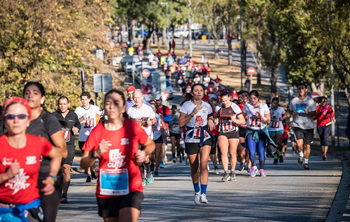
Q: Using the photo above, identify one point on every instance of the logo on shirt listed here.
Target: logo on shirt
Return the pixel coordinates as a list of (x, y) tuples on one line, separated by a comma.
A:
[(116, 159), (7, 161), (18, 182), (124, 141), (31, 160)]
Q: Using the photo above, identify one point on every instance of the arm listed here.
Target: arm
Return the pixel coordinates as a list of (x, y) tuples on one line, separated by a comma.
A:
[(184, 119), (89, 157), (163, 123), (10, 172), (55, 165), (240, 120), (60, 143), (149, 148)]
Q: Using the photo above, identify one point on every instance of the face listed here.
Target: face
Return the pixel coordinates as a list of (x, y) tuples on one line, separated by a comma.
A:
[(159, 102), (114, 107), (225, 100), (16, 119), (85, 101), (302, 90), (254, 99), (275, 103), (131, 95), (138, 99), (243, 98), (324, 102), (198, 92), (174, 110), (154, 108), (33, 95), (63, 105)]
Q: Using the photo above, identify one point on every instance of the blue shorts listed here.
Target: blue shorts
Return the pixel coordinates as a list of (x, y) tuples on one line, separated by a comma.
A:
[(274, 133)]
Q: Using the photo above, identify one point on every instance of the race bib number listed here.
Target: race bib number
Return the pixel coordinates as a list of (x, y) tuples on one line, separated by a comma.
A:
[(89, 123), (66, 134), (255, 122), (275, 124), (114, 182), (228, 127)]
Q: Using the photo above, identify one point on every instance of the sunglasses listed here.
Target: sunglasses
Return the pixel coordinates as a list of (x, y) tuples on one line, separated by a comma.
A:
[(13, 116)]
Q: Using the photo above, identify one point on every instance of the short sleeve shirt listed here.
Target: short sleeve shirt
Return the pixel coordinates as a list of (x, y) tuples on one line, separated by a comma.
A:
[(118, 173), (302, 120), (224, 114), (253, 119), (275, 122), (198, 120), (93, 114), (22, 188), (141, 116)]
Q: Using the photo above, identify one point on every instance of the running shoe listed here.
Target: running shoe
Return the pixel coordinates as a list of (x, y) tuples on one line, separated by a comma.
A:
[(242, 166), (88, 178), (306, 166), (300, 160), (275, 161), (197, 197), (253, 171), (174, 160), (324, 157), (281, 159), (187, 161), (233, 175), (64, 198), (144, 182), (156, 174), (161, 165), (150, 178), (248, 169), (216, 171), (204, 198), (262, 173), (226, 177), (93, 174)]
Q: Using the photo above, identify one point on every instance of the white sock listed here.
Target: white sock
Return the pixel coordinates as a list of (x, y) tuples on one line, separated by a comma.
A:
[(301, 154), (306, 160)]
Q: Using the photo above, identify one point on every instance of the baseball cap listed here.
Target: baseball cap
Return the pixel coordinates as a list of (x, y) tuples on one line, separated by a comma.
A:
[(131, 88), (158, 97), (212, 97)]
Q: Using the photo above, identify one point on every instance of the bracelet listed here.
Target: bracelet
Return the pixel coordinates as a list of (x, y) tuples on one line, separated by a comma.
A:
[(53, 178)]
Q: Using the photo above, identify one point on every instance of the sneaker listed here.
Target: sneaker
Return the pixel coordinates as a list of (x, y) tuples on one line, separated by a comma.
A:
[(216, 171), (88, 179), (93, 174), (197, 197), (253, 171), (275, 161), (144, 182), (262, 173), (226, 177), (64, 198), (150, 178), (156, 174), (204, 198), (324, 157), (233, 175), (161, 165), (187, 161), (306, 166), (281, 159), (300, 160), (248, 169), (242, 166), (174, 160), (180, 159)]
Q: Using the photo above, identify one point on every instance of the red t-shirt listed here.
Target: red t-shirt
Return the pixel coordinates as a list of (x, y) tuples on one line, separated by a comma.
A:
[(206, 98), (286, 129), (215, 131), (22, 189), (217, 80), (323, 115), (241, 106), (118, 172)]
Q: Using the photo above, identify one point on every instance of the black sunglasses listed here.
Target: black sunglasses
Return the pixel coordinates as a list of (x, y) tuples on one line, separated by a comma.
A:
[(13, 116)]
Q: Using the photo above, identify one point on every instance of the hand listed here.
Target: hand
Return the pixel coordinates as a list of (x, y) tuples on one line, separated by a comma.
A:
[(75, 130), (261, 113), (216, 121), (140, 156), (85, 116), (48, 186), (306, 111), (196, 110), (334, 120), (233, 118), (13, 170), (149, 122), (103, 147)]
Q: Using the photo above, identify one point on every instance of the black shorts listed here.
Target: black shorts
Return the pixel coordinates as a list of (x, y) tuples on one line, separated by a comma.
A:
[(176, 135), (307, 135), (159, 140), (242, 132), (164, 137), (213, 149), (285, 141), (70, 156), (193, 148), (293, 138), (81, 144), (109, 207), (230, 135)]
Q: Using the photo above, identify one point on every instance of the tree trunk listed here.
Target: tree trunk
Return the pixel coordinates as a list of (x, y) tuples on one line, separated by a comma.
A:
[(216, 48), (229, 43), (244, 57), (158, 45), (164, 36), (273, 80)]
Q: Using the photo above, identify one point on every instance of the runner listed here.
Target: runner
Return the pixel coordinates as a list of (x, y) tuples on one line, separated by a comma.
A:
[(115, 143), (165, 112), (257, 136), (324, 113), (130, 101), (71, 127), (19, 165), (145, 117), (303, 108), (285, 137), (44, 124), (89, 116), (276, 129), (197, 116), (213, 100), (229, 116), (175, 134)]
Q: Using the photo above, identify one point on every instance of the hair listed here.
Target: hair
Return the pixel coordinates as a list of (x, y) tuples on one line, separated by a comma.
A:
[(115, 91), (319, 99), (197, 84), (254, 93), (225, 93), (275, 99), (242, 91), (302, 84), (87, 94), (37, 84), (174, 107), (62, 97), (187, 97)]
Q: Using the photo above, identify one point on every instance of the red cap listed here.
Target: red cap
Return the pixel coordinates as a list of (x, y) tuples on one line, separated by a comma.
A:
[(16, 100), (131, 88)]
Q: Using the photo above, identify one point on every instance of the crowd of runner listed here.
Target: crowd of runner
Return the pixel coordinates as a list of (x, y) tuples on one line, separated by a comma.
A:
[(129, 137)]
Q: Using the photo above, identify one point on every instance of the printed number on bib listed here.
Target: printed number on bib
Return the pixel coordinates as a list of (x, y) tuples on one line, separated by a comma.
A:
[(89, 123), (255, 122), (228, 127), (114, 182), (197, 133), (66, 134), (275, 124)]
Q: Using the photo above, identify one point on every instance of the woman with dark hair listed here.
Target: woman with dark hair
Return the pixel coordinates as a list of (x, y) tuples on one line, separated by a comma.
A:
[(276, 129), (19, 165), (257, 136), (229, 116), (44, 124), (115, 142), (197, 116)]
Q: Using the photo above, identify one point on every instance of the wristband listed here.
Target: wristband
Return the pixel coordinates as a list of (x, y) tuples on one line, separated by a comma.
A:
[(92, 155), (53, 178)]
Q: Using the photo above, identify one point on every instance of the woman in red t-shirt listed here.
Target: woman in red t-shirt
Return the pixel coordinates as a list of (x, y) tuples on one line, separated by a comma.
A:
[(19, 165), (115, 142)]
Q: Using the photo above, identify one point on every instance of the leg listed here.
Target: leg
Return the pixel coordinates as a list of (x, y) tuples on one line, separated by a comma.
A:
[(194, 163), (204, 156), (158, 152), (111, 219), (129, 214), (307, 151), (66, 178), (233, 152), (223, 144), (261, 150), (177, 140), (173, 143), (251, 145)]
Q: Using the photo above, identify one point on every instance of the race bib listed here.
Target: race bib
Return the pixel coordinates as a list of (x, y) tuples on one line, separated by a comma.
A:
[(66, 134), (114, 182), (275, 124), (228, 127), (89, 123), (255, 122)]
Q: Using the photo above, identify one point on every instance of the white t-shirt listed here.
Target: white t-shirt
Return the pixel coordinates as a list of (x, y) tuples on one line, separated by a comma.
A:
[(198, 120), (275, 122), (156, 128), (302, 120), (253, 121), (90, 122), (141, 116)]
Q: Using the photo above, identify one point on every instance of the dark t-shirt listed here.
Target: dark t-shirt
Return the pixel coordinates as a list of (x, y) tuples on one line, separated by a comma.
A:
[(45, 125), (67, 124)]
